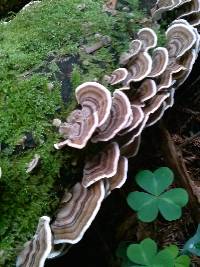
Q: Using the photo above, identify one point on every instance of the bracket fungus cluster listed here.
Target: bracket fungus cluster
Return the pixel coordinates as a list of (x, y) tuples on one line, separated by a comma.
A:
[(144, 88)]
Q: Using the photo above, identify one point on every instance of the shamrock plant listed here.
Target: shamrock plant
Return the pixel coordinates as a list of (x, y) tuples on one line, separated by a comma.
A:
[(192, 246), (148, 204), (146, 254)]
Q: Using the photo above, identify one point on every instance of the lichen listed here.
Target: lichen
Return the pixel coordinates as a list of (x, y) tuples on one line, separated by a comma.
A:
[(31, 46)]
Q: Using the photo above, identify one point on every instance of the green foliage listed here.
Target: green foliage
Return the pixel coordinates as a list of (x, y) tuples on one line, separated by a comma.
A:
[(27, 104), (193, 244), (149, 204), (146, 254)]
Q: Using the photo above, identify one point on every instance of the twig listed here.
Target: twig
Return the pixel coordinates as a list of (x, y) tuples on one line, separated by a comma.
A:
[(175, 160)]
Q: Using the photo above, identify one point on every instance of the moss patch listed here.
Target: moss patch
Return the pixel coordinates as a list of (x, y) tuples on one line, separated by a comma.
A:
[(31, 48)]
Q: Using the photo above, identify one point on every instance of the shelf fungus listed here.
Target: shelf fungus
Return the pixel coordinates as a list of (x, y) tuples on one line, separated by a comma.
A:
[(160, 59), (77, 211), (148, 38), (96, 97), (117, 76), (193, 6), (103, 165), (36, 251), (78, 129), (137, 118), (119, 115), (130, 150), (155, 103), (118, 180), (139, 68), (146, 91), (148, 82), (180, 38)]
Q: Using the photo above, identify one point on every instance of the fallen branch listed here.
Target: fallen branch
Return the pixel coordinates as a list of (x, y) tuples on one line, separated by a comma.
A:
[(174, 158)]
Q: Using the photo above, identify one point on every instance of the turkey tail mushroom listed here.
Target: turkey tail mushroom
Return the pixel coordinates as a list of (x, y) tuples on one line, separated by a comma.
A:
[(78, 210), (119, 115), (36, 251), (103, 165)]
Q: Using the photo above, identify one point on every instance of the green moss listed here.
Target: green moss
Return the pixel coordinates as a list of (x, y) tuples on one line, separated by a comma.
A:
[(28, 105)]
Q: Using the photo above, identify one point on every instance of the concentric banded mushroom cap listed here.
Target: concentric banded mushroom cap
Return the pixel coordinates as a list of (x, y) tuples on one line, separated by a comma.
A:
[(58, 250), (165, 80), (148, 38), (117, 76), (77, 213), (36, 251), (96, 97), (193, 19), (160, 61), (80, 126), (162, 6), (140, 68), (189, 60), (170, 100), (118, 118), (129, 137), (137, 118), (155, 103), (157, 115), (103, 165), (135, 46), (146, 91), (118, 180), (174, 67), (180, 39), (131, 150), (188, 8)]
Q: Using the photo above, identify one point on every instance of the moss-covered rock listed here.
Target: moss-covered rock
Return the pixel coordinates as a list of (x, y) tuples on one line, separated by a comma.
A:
[(42, 61)]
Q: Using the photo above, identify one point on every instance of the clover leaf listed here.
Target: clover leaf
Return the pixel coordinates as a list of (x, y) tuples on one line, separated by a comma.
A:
[(193, 244), (149, 204), (146, 254)]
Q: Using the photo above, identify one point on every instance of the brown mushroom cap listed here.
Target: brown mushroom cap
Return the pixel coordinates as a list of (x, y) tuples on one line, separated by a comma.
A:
[(77, 213), (135, 46), (165, 81), (103, 165), (170, 100), (96, 97), (155, 102), (188, 8), (36, 251), (162, 6), (58, 250), (134, 49), (119, 115), (118, 180), (193, 19), (180, 39), (80, 126), (139, 68), (117, 76), (132, 148), (148, 38), (137, 118), (188, 61), (157, 115), (129, 137), (146, 91), (160, 60)]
